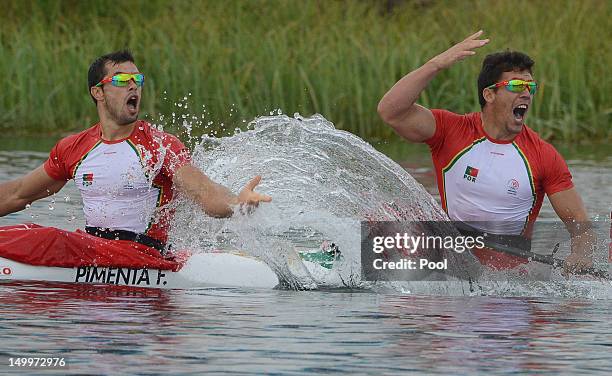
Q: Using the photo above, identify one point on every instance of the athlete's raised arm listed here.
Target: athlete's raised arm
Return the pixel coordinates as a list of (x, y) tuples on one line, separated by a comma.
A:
[(398, 108), (215, 199), (16, 194)]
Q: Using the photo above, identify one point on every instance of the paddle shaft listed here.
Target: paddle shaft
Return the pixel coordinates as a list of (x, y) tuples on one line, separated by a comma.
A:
[(545, 259)]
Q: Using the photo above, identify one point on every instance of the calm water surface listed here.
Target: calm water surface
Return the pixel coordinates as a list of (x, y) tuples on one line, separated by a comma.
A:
[(108, 330)]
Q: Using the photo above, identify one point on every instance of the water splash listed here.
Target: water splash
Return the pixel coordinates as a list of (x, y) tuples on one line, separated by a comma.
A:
[(323, 182)]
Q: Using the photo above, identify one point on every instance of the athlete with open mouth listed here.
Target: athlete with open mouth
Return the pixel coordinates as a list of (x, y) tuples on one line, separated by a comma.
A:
[(492, 170), (126, 170)]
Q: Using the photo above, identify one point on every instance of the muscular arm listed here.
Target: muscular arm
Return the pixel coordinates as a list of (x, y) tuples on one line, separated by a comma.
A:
[(398, 108), (215, 199), (16, 194), (570, 209)]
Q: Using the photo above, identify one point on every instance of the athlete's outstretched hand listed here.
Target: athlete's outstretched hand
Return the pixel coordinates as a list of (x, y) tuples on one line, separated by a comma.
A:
[(459, 51), (249, 198)]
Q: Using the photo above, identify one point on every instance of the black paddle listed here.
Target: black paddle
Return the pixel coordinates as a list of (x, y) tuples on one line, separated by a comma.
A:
[(545, 259)]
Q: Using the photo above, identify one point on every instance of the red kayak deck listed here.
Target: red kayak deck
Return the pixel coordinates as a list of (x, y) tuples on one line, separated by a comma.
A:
[(48, 246)]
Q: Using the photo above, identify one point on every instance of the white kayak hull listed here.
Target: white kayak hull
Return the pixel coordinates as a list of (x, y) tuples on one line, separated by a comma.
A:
[(200, 270)]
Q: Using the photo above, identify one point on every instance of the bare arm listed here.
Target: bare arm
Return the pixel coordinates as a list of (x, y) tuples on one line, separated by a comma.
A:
[(215, 199), (16, 194), (398, 108), (570, 209)]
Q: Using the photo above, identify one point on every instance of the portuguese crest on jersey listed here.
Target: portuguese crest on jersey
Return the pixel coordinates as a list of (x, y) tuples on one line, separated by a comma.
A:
[(513, 186)]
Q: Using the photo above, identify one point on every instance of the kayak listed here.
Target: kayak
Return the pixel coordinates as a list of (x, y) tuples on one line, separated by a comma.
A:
[(199, 270), (34, 253)]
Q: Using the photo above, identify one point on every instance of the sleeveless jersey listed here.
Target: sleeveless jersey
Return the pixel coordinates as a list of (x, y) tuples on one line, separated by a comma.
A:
[(498, 184), (125, 184)]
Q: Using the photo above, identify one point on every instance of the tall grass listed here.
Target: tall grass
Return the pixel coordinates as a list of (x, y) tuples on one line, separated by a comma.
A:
[(245, 58)]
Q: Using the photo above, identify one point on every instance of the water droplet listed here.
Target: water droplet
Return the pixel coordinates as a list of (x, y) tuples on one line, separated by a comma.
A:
[(28, 206), (66, 198), (51, 207)]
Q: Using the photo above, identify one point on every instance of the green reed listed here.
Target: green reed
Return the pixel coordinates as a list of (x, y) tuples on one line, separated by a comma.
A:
[(241, 59)]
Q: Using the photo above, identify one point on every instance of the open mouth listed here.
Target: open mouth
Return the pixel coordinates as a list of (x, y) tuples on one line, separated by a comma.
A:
[(520, 111), (132, 103)]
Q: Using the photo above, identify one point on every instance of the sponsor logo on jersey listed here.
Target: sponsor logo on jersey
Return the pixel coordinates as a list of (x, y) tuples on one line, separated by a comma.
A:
[(513, 186), (128, 181), (470, 174), (88, 179)]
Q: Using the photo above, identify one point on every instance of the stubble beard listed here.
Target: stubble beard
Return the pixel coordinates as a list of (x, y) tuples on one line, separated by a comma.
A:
[(513, 128), (119, 118)]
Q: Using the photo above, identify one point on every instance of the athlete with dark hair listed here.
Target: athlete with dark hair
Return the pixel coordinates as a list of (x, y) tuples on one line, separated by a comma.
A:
[(126, 170), (491, 168)]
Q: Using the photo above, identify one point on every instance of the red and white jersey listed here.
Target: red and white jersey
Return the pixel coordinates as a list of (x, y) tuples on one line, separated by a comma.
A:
[(502, 183), (125, 184)]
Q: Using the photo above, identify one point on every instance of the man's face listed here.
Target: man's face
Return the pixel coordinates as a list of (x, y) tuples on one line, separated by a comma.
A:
[(509, 109), (122, 103)]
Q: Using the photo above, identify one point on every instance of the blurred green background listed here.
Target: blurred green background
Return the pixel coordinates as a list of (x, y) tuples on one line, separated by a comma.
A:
[(234, 60)]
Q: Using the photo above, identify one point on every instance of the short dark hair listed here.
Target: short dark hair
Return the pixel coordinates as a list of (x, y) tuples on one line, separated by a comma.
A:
[(494, 65), (97, 69)]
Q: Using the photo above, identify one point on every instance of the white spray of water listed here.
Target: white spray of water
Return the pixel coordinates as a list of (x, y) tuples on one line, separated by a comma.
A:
[(324, 182)]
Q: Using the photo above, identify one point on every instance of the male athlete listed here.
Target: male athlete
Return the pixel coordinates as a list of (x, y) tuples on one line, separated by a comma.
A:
[(491, 168), (126, 170)]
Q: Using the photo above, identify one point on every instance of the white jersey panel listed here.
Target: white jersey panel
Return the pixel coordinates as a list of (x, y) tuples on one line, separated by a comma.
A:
[(115, 190), (490, 183)]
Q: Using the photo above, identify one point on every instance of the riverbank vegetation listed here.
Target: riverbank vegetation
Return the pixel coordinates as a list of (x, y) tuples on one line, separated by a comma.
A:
[(234, 60)]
